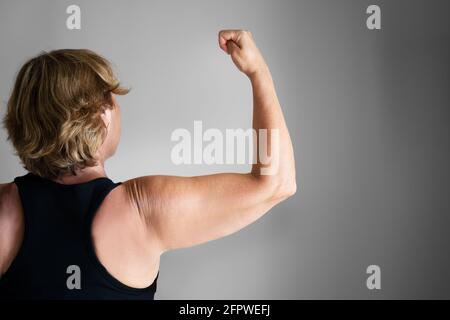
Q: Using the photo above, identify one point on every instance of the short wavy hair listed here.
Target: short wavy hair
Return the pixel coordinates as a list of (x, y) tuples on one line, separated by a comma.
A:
[(53, 116)]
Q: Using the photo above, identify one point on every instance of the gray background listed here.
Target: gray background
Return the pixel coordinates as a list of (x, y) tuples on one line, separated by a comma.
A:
[(368, 113)]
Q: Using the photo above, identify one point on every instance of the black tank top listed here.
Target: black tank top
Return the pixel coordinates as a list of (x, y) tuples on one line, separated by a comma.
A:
[(57, 259)]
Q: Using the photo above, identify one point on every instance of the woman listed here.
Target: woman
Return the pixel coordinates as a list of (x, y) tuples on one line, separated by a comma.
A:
[(69, 232)]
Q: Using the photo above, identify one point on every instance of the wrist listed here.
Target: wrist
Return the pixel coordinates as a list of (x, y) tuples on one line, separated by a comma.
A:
[(262, 71)]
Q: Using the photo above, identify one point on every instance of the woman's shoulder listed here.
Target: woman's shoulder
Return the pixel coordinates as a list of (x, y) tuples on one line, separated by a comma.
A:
[(11, 224), (9, 199)]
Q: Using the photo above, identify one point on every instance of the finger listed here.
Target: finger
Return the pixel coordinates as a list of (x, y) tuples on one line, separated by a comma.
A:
[(227, 35), (232, 47)]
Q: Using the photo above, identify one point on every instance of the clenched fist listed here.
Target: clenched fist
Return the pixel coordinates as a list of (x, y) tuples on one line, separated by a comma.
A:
[(243, 50)]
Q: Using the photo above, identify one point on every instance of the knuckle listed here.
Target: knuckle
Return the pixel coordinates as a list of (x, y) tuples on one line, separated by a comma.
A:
[(246, 33)]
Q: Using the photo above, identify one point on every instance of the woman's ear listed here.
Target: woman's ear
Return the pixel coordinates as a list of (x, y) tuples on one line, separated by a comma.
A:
[(107, 116)]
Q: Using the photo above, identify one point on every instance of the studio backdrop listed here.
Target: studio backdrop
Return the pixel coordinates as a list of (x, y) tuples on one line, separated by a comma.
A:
[(367, 104)]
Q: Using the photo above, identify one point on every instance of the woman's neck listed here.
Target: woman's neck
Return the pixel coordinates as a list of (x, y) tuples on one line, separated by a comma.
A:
[(82, 175)]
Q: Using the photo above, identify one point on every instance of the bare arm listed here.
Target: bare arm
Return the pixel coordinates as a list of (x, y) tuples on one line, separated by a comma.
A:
[(11, 225), (184, 211)]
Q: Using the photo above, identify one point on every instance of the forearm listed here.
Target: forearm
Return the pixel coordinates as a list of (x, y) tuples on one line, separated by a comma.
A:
[(267, 114)]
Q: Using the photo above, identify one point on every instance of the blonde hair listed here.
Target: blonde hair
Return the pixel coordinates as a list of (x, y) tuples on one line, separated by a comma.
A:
[(53, 116)]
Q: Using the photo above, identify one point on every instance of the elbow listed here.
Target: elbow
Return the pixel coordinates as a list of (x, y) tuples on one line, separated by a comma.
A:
[(283, 189), (286, 190), (292, 189), (278, 188)]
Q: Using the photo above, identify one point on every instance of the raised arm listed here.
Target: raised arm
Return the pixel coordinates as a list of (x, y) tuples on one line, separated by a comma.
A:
[(184, 211)]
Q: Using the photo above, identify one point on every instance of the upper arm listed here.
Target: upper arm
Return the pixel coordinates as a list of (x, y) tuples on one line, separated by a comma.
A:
[(185, 211), (11, 225)]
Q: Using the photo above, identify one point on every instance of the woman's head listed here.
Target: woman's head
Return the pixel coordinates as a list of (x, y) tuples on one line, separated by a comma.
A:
[(62, 114)]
